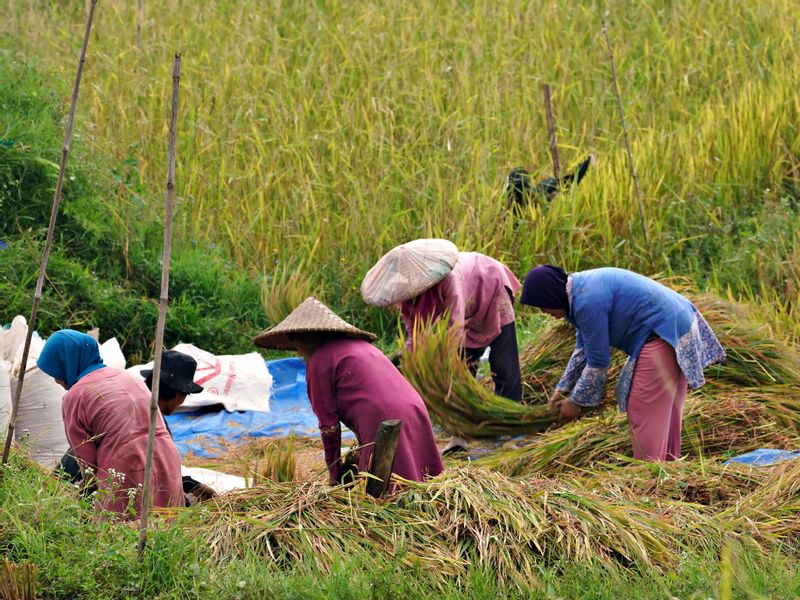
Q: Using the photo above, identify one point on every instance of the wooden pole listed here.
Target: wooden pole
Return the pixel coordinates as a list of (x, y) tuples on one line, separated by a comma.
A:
[(37, 295), (383, 457), (162, 309), (551, 130), (625, 134), (139, 11)]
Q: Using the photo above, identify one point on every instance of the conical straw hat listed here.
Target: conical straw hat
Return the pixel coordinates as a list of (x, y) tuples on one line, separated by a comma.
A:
[(311, 316), (408, 270)]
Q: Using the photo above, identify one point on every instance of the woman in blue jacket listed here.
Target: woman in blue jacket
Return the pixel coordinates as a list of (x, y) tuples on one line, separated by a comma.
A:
[(667, 340)]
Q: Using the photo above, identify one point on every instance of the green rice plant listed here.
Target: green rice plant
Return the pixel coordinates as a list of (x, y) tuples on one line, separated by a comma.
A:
[(435, 367), (284, 290), (723, 423), (339, 130), (277, 462)]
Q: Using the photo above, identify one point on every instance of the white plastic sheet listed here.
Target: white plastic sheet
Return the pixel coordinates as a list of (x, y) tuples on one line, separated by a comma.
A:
[(238, 382), (217, 481), (39, 425)]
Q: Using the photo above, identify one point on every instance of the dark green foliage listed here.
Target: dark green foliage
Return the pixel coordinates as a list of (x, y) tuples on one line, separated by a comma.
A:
[(105, 267)]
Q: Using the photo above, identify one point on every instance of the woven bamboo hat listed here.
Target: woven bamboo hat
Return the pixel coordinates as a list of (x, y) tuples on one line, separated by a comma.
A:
[(408, 270), (311, 316)]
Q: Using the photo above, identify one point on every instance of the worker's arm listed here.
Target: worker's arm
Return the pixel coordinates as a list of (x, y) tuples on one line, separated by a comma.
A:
[(590, 387), (79, 435), (574, 368), (322, 394)]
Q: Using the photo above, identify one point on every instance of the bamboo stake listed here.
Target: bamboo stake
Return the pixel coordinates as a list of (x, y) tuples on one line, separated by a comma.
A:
[(51, 227), (551, 130), (162, 309), (625, 134), (139, 10)]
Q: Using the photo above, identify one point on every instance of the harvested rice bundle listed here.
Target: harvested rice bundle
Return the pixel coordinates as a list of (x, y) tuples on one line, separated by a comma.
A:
[(772, 512), (705, 482), (455, 398), (508, 525), (725, 423), (543, 362)]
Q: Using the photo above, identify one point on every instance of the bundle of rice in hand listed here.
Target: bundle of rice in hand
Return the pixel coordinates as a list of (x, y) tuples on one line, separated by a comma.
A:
[(454, 398)]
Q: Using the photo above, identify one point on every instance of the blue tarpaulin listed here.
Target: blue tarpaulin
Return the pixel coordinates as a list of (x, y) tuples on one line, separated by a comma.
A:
[(764, 457), (209, 433)]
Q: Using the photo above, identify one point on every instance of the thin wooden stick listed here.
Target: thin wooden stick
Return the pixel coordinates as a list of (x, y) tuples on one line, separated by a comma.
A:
[(551, 130), (37, 295), (625, 134), (139, 10), (162, 309)]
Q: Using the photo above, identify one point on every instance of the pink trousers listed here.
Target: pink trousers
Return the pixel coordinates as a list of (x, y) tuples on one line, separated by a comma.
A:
[(655, 403)]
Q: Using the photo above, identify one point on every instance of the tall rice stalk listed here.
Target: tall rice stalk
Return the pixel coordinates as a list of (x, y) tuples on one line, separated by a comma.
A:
[(277, 462)]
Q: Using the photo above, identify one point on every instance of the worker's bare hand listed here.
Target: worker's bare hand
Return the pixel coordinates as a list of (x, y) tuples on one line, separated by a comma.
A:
[(555, 400), (568, 411)]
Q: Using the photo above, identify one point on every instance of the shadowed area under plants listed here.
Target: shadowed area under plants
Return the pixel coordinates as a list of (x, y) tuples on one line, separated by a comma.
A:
[(508, 525)]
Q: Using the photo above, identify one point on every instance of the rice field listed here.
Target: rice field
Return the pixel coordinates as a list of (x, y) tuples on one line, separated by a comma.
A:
[(315, 136)]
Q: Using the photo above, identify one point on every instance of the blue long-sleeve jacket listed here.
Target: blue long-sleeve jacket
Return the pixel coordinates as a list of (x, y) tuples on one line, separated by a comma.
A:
[(616, 308)]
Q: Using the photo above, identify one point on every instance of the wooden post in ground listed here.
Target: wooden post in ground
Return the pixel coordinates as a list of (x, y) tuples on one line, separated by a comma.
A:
[(551, 130), (147, 490), (139, 12), (37, 294), (383, 457)]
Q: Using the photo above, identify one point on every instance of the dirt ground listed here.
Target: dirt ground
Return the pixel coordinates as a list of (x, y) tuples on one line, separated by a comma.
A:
[(239, 459)]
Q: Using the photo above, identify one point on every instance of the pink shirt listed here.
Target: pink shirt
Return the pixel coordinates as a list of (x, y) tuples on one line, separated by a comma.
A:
[(106, 418), (478, 292), (352, 382)]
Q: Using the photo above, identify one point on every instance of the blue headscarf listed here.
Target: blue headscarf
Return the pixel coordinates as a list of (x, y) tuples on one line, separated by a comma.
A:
[(69, 355)]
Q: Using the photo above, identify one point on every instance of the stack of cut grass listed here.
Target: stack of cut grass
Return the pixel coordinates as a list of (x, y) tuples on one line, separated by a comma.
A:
[(712, 425), (771, 514), (769, 369), (509, 526), (705, 482), (754, 357), (455, 398)]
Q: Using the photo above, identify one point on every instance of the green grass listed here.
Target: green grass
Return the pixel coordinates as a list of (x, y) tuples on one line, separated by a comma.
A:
[(44, 522)]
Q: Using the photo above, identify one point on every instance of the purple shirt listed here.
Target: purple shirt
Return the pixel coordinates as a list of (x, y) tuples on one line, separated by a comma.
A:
[(106, 419), (352, 382), (478, 292)]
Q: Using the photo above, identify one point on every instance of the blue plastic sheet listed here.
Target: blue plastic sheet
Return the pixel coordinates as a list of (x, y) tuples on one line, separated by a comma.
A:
[(209, 434), (764, 457)]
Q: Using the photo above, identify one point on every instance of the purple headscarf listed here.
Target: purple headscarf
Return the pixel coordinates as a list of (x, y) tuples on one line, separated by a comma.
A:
[(545, 287)]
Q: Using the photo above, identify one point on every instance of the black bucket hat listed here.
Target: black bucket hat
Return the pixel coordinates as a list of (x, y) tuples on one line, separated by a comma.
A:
[(177, 372)]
